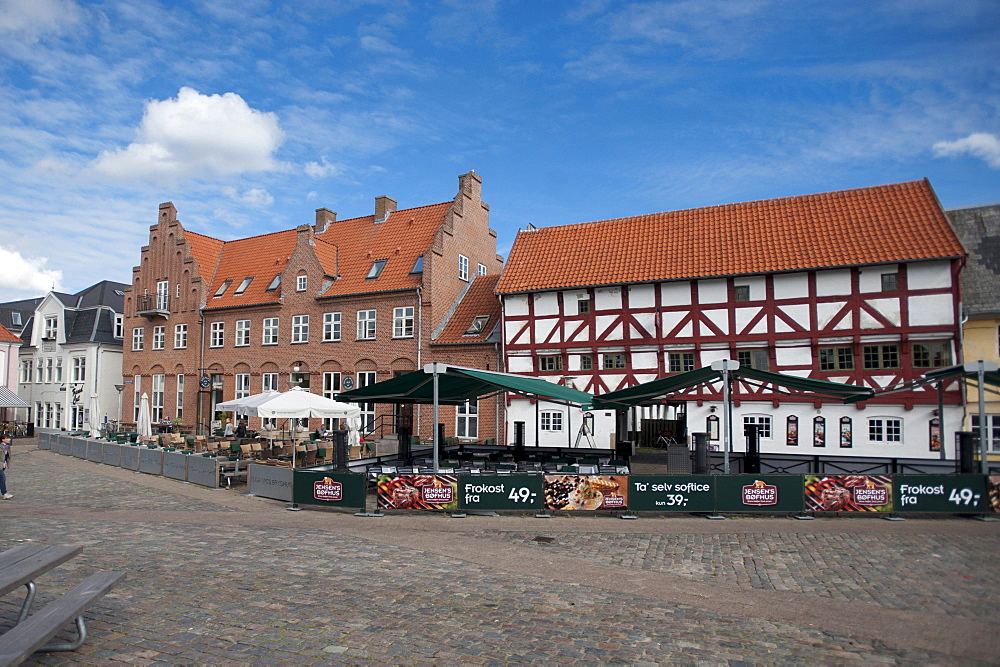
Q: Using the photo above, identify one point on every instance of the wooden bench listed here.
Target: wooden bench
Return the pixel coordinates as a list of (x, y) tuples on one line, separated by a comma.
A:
[(19, 566)]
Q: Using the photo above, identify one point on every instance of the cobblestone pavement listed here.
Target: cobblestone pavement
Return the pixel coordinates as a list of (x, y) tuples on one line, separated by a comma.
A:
[(218, 577)]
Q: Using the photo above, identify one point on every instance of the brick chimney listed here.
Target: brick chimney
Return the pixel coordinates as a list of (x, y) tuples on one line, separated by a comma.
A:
[(324, 218), (383, 207)]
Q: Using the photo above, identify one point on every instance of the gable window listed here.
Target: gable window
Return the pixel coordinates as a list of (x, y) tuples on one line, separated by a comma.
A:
[(614, 361), (301, 282), (550, 421), (402, 322), (762, 422), (300, 329), (138, 334), (180, 336), (550, 362), (931, 355), (376, 269), (885, 429), (463, 267), (678, 362), (222, 288), (477, 326), (586, 362), (218, 334), (119, 325), (757, 359), (481, 269), (418, 266), (366, 325), (269, 331), (890, 282), (242, 333), (331, 327), (159, 337), (274, 283), (881, 356), (836, 358), (742, 292), (243, 286), (51, 328)]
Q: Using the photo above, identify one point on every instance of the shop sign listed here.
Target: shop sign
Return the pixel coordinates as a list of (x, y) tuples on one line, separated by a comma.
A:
[(759, 493)]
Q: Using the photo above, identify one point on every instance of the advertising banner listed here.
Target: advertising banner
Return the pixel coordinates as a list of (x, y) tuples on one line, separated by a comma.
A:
[(759, 493), (671, 493), (940, 493), (417, 492), (500, 492), (993, 489), (325, 488), (585, 492), (848, 493)]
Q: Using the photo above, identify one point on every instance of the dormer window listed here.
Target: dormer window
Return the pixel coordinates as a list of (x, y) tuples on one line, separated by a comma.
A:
[(243, 286), (300, 283), (418, 266), (222, 288), (376, 269), (477, 326), (274, 283)]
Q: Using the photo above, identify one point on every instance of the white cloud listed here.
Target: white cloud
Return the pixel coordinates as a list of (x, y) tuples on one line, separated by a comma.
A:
[(254, 196), (27, 274), (979, 144), (321, 169), (31, 18), (194, 135)]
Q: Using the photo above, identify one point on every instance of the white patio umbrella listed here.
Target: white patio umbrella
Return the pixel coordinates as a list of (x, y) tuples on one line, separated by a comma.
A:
[(354, 431), (144, 427), (95, 417)]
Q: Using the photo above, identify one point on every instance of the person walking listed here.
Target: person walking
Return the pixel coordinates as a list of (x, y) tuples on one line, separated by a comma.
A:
[(4, 462)]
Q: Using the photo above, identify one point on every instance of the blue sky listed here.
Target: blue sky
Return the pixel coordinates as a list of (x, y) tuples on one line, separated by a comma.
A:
[(249, 114)]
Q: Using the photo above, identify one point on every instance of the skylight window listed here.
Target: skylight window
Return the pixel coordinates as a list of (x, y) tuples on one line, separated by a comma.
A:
[(477, 326), (243, 286), (418, 266), (274, 283), (223, 287), (376, 269)]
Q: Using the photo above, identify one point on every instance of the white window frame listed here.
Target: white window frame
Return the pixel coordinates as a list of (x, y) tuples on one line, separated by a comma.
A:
[(242, 382), (331, 383), (163, 295), (59, 369), (300, 329), (764, 421), (49, 368), (137, 395), (138, 339), (402, 322), (156, 400), (51, 330), (180, 336), (79, 370), (180, 396), (364, 379), (467, 420), (481, 269), (269, 331), (119, 325), (217, 335), (550, 421), (269, 381), (367, 324), (159, 337), (301, 283), (885, 430), (242, 333), (331, 327), (463, 267), (992, 430), (39, 370)]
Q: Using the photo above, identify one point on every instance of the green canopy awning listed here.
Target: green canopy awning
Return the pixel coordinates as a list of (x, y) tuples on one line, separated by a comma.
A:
[(457, 384), (672, 384)]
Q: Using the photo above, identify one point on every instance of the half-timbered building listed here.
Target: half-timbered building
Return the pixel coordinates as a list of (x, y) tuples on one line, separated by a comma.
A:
[(859, 286)]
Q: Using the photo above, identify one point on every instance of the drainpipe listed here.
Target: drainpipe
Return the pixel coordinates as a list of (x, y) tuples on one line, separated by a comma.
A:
[(201, 369), (420, 348)]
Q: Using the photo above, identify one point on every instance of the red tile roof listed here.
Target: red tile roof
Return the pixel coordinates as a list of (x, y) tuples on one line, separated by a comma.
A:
[(480, 299), (883, 224), (346, 250), (6, 336)]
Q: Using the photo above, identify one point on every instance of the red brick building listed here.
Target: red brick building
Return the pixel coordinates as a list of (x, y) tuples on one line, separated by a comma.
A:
[(330, 306)]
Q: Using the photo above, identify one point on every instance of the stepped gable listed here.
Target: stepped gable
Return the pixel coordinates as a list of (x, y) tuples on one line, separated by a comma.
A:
[(883, 224), (479, 300)]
